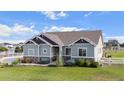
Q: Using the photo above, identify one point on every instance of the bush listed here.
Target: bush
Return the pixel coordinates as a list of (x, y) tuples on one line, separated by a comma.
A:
[(3, 49), (86, 63), (19, 49), (77, 62), (93, 64), (82, 62)]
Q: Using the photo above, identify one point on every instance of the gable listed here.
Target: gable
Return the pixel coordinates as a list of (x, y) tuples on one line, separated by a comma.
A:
[(38, 41), (81, 41), (48, 40), (29, 42)]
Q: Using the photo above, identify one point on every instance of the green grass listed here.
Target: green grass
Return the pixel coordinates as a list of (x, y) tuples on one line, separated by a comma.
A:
[(31, 73), (116, 54)]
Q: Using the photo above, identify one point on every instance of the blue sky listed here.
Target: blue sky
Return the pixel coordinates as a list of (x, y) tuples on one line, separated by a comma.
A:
[(20, 26)]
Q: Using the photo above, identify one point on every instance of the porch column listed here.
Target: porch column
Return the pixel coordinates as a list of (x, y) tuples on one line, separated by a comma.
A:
[(51, 54), (60, 53), (38, 53)]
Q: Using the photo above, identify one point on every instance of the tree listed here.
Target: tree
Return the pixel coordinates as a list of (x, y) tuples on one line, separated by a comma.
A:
[(3, 49), (18, 49)]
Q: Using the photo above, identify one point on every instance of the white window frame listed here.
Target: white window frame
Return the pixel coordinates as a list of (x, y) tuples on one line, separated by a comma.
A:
[(82, 48), (43, 51), (65, 51), (32, 52)]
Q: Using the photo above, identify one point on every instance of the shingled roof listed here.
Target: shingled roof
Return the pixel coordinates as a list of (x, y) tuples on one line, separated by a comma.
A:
[(68, 37)]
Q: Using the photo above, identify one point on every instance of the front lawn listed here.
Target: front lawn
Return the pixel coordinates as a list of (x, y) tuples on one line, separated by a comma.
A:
[(32, 73), (116, 54)]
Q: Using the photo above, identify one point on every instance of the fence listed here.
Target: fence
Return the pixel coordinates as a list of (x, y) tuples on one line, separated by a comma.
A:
[(10, 58), (113, 60), (9, 55)]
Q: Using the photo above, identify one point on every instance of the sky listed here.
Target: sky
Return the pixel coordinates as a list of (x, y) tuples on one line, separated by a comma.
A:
[(19, 26)]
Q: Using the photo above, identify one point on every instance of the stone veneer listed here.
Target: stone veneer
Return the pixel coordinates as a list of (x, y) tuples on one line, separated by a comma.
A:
[(32, 59)]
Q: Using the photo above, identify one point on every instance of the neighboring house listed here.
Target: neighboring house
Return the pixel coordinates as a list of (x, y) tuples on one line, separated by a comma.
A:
[(112, 45), (10, 47), (71, 45), (19, 44), (7, 45), (121, 47)]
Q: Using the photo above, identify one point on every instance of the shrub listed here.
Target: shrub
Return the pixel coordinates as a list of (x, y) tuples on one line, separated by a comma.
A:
[(3, 49), (86, 63), (77, 62), (81, 62), (18, 49), (93, 64)]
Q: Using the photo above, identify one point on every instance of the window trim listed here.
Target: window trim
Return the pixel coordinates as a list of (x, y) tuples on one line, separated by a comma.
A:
[(70, 51), (43, 50), (32, 52), (82, 48)]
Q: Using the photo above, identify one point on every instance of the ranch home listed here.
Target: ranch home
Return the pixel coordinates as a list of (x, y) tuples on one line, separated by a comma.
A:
[(51, 46)]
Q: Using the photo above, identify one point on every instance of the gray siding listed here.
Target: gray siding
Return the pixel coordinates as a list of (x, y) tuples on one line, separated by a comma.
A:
[(30, 46), (47, 47), (37, 48), (74, 50), (75, 47)]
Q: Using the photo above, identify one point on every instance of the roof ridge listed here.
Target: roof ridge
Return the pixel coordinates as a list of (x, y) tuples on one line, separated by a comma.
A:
[(75, 31)]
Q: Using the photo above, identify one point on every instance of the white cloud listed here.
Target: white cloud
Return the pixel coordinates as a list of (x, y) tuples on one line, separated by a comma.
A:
[(88, 14), (56, 28), (119, 38), (54, 15), (16, 33), (12, 41), (6, 30), (96, 13), (102, 13)]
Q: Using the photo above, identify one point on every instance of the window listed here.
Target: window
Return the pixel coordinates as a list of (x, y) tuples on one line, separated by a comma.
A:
[(30, 51), (82, 52), (68, 51), (44, 51)]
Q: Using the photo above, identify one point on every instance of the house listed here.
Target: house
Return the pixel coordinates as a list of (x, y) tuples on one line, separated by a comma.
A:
[(50, 46), (7, 45), (112, 45), (121, 47)]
